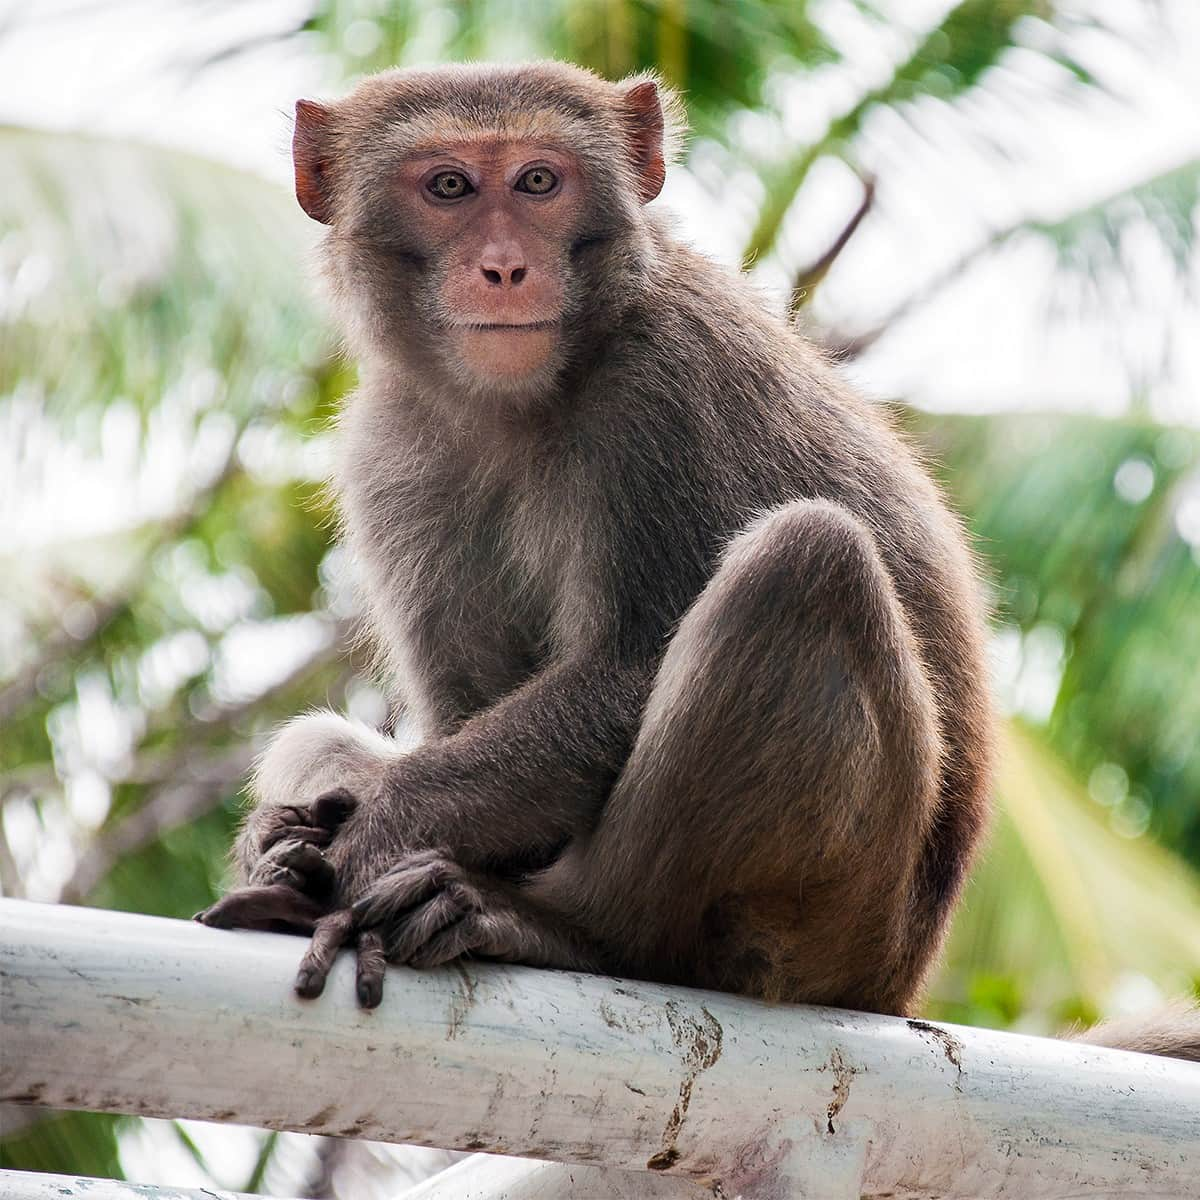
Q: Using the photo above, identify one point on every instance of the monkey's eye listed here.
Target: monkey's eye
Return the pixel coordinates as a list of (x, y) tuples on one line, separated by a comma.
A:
[(450, 185), (537, 181)]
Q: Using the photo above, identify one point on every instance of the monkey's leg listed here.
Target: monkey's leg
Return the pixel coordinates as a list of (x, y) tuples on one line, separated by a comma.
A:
[(766, 832)]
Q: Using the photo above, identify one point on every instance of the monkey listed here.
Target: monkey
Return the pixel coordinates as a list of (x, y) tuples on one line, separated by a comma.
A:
[(693, 644)]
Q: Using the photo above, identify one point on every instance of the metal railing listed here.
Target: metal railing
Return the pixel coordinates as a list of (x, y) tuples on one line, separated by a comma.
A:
[(616, 1088)]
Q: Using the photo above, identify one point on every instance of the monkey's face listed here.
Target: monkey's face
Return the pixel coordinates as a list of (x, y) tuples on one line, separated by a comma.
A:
[(481, 216), (493, 219)]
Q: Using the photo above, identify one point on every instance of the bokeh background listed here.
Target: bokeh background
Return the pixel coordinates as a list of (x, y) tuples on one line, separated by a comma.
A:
[(987, 209)]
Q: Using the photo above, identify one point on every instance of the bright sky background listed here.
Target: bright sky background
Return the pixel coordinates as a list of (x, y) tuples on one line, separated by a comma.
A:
[(127, 68)]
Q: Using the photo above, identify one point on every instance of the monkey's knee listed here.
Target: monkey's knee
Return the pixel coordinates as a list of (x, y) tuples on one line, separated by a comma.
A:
[(793, 596), (316, 771), (798, 662), (318, 753), (806, 558), (804, 594)]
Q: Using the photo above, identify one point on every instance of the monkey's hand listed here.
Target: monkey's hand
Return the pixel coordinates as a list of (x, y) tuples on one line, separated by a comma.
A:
[(428, 910), (317, 770), (289, 881), (293, 890), (425, 911), (290, 888), (270, 827)]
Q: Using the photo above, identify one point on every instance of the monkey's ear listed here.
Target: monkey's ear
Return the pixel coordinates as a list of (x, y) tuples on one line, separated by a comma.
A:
[(310, 156), (643, 115)]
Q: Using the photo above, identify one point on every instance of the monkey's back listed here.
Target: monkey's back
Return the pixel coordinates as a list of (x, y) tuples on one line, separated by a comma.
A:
[(754, 417)]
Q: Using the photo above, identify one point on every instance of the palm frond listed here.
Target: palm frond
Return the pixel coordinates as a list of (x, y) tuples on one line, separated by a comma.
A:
[(1060, 913), (1088, 529), (1091, 245), (947, 61), (721, 54)]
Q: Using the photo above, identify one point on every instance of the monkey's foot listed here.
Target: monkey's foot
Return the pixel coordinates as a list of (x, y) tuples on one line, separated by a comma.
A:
[(315, 823), (279, 908), (299, 864), (275, 907), (331, 933), (427, 910), (291, 887)]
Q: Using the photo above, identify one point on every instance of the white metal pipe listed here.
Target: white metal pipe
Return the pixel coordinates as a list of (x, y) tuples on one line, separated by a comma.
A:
[(489, 1177), (26, 1185), (134, 1014)]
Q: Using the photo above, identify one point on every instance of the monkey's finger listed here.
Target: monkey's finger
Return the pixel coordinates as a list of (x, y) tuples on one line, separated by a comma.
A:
[(271, 870), (463, 937), (329, 935), (267, 874), (388, 900), (320, 819), (273, 816), (371, 965), (406, 885), (316, 872), (280, 821), (263, 907), (313, 834), (331, 809), (298, 864), (416, 929)]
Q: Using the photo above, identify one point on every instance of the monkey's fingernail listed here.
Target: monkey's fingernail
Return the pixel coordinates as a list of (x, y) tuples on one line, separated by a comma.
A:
[(310, 984), (331, 809), (370, 992), (200, 915)]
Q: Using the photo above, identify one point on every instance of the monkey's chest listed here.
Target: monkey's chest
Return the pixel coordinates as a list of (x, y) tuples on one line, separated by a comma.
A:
[(475, 588), (482, 617)]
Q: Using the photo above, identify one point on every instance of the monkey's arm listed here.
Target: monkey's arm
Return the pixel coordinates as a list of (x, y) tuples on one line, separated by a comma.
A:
[(507, 790), (525, 775)]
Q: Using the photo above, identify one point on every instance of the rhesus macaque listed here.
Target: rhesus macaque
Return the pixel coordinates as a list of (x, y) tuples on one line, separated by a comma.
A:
[(695, 648)]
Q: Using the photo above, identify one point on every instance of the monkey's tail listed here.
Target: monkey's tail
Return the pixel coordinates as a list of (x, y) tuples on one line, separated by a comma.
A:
[(1173, 1032)]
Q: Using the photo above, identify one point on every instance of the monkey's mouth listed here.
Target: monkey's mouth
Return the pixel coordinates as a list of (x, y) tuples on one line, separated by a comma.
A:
[(508, 326), (507, 350)]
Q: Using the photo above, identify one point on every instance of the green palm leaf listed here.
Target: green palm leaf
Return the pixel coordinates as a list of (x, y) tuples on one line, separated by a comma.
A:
[(947, 62), (1059, 911)]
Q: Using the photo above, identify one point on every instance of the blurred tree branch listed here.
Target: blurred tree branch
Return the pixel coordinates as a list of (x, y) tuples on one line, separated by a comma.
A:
[(947, 61), (194, 783), (809, 278), (1167, 198), (165, 808), (62, 646)]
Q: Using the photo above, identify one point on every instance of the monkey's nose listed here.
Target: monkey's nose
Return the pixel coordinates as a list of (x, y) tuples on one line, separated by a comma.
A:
[(503, 276)]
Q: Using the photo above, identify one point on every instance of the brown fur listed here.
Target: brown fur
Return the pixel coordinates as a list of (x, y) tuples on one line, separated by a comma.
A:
[(694, 645), (1173, 1032)]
